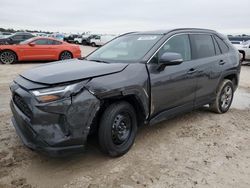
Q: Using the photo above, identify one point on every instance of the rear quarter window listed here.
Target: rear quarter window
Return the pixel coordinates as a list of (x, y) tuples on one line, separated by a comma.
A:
[(54, 42), (224, 48), (217, 48)]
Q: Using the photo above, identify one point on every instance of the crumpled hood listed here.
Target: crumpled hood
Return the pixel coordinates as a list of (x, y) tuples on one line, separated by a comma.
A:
[(70, 70)]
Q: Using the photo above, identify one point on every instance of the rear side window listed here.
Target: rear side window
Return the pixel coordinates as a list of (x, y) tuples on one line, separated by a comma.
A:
[(41, 42), (202, 46), (54, 42), (224, 48), (18, 37), (27, 36)]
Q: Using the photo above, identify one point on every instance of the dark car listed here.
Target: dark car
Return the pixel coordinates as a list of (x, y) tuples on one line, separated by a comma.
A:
[(70, 38), (138, 78), (4, 34), (239, 38), (90, 37), (16, 38)]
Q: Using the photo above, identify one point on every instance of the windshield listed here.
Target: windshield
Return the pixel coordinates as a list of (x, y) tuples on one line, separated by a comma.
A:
[(128, 48)]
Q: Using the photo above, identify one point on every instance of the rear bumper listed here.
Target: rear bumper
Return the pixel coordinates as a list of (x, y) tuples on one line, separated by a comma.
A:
[(33, 141), (77, 55)]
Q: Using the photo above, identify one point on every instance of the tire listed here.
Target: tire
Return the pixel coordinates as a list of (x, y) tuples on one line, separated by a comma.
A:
[(118, 128), (93, 44), (224, 97), (65, 55), (84, 42), (8, 57), (243, 55)]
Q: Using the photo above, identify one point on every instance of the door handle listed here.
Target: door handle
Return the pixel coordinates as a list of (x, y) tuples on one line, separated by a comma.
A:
[(222, 62), (191, 71)]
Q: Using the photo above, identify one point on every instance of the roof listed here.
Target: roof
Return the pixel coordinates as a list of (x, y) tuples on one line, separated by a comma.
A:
[(23, 33), (41, 37), (164, 32)]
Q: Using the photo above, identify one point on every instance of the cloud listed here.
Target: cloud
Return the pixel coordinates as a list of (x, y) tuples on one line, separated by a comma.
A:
[(117, 16)]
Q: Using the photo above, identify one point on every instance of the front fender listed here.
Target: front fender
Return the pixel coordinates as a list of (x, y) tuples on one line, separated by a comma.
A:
[(132, 81)]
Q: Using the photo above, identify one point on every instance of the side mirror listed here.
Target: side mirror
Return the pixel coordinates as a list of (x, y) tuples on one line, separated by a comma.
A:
[(32, 44), (170, 58)]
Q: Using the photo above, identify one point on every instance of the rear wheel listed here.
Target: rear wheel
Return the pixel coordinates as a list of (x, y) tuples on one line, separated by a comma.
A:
[(243, 55), (118, 127), (224, 97), (93, 44), (7, 57), (65, 55)]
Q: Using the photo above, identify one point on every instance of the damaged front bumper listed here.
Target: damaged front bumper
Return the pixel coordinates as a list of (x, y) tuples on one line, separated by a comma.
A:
[(56, 128)]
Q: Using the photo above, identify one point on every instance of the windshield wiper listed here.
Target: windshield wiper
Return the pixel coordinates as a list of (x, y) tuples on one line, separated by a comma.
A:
[(99, 61)]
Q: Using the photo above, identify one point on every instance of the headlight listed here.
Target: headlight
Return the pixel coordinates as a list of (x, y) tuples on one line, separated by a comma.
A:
[(56, 93)]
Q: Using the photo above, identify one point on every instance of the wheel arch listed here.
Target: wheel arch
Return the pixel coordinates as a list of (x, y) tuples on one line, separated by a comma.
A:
[(243, 53), (65, 50), (233, 76), (132, 99)]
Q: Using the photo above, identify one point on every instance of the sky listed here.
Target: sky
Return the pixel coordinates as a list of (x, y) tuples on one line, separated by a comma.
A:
[(119, 16)]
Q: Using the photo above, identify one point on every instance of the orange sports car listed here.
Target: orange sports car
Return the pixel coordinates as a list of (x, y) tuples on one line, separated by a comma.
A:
[(38, 49)]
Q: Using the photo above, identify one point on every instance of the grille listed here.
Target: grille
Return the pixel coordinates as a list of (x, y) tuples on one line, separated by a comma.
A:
[(22, 105)]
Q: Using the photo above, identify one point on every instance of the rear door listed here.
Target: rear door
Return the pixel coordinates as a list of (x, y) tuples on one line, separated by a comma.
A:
[(209, 61)]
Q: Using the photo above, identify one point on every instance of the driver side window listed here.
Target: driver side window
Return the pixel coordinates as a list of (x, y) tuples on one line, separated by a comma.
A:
[(177, 44)]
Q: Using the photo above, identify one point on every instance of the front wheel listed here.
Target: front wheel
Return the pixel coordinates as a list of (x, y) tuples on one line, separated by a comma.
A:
[(118, 128), (93, 44), (7, 57), (224, 97)]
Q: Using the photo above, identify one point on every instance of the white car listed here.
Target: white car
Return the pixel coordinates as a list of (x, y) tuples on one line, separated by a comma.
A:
[(81, 39), (100, 40), (243, 47), (78, 40)]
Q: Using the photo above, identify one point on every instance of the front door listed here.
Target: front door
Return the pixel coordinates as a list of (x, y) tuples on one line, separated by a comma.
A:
[(173, 88), (41, 49)]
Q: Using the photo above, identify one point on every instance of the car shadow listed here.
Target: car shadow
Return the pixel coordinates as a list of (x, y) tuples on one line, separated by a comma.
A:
[(92, 148)]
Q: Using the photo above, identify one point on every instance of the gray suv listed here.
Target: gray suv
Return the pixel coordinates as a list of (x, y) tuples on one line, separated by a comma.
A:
[(139, 78)]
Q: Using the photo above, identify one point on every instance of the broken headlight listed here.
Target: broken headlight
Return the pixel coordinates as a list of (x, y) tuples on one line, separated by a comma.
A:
[(57, 93)]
